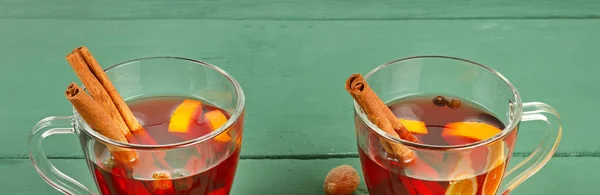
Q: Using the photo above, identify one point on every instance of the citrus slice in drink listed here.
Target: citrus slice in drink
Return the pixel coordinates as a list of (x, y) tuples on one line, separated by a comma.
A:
[(414, 126), (463, 177), (495, 165), (218, 119), (465, 186), (493, 179), (183, 115), (472, 130), (496, 153)]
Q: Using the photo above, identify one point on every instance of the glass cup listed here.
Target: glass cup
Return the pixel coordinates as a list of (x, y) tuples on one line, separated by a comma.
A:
[(471, 168), (144, 78)]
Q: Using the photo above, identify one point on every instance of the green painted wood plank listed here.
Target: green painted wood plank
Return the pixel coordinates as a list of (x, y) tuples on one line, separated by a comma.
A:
[(298, 10), (287, 113), (560, 176)]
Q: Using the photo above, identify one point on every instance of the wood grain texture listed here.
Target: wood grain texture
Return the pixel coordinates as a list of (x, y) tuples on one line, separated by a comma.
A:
[(299, 10), (552, 61), (545, 47), (300, 177)]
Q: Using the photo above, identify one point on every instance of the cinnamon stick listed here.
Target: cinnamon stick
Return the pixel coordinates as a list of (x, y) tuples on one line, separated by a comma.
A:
[(126, 115), (99, 120), (101, 88), (118, 101), (357, 86), (96, 90), (380, 115)]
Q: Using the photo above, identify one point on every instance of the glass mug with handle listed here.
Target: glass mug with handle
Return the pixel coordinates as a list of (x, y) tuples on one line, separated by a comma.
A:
[(202, 160), (466, 117)]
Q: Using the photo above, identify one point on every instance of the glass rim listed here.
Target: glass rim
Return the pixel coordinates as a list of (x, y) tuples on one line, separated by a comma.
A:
[(235, 116), (513, 120)]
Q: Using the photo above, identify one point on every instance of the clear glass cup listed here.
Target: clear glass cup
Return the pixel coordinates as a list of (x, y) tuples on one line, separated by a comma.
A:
[(144, 78), (456, 166)]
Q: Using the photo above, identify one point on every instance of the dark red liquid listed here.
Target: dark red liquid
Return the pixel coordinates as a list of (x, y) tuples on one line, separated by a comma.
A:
[(385, 176), (191, 171)]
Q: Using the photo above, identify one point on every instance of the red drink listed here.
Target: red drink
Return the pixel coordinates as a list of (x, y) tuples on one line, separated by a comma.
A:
[(477, 171), (207, 168)]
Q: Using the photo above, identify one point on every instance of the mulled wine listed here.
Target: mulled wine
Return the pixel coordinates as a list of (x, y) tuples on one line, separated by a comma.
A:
[(208, 168), (440, 121)]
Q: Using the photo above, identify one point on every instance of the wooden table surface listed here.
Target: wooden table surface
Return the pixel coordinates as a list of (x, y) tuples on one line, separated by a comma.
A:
[(297, 129)]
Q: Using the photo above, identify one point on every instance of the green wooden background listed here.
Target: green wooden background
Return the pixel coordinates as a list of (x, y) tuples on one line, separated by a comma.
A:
[(547, 48)]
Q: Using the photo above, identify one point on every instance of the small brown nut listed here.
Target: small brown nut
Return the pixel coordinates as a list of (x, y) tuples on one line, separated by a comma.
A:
[(341, 180), (453, 104), (440, 101)]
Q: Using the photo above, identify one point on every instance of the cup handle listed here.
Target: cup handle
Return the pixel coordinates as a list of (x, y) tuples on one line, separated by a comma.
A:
[(535, 111), (46, 127)]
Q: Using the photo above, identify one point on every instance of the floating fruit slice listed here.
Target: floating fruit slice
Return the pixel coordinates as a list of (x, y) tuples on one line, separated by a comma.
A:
[(467, 186), (414, 126), (218, 119), (496, 153), (183, 115), (473, 130), (464, 181), (495, 164), (493, 179)]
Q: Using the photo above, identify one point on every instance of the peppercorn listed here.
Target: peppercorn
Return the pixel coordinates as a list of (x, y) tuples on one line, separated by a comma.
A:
[(440, 101), (453, 104)]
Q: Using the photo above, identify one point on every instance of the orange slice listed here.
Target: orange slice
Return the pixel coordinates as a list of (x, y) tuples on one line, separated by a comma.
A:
[(414, 126), (473, 130), (496, 153), (467, 186), (464, 181), (495, 163), (493, 179), (184, 113), (218, 119)]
